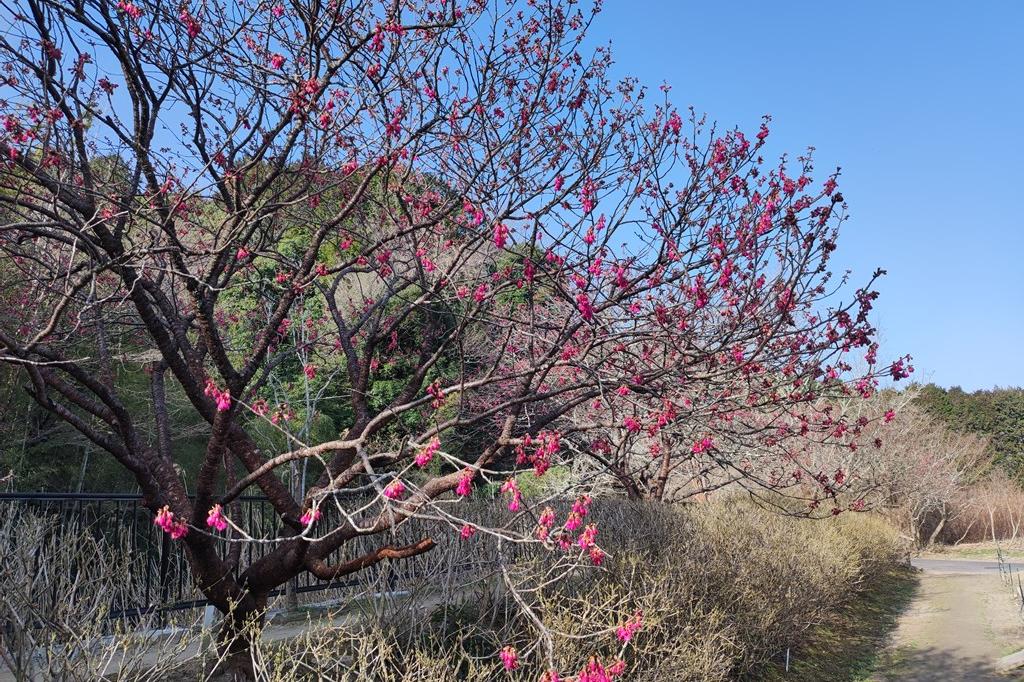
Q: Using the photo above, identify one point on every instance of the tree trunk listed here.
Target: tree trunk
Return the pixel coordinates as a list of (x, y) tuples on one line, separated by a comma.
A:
[(969, 527), (239, 631), (938, 527)]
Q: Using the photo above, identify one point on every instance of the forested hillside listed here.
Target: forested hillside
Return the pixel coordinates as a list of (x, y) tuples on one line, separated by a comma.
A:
[(997, 413)]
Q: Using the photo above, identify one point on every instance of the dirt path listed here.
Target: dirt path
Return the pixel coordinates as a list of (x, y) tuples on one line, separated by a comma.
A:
[(957, 627)]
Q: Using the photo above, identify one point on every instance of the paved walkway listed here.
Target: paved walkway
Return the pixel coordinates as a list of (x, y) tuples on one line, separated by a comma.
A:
[(961, 622), (962, 566)]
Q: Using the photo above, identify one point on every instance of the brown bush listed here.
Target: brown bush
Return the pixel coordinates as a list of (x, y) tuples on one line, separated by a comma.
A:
[(724, 587), (989, 511)]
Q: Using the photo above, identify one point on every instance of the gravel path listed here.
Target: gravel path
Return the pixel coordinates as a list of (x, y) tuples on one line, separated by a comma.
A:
[(962, 620)]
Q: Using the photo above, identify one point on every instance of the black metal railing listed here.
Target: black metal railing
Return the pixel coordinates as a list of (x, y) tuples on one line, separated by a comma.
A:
[(161, 577)]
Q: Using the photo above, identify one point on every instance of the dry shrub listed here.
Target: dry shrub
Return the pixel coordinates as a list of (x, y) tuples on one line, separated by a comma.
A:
[(59, 583), (723, 588), (992, 510), (726, 586)]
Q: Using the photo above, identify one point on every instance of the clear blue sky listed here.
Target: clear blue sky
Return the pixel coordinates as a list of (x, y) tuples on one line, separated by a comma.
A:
[(921, 103)]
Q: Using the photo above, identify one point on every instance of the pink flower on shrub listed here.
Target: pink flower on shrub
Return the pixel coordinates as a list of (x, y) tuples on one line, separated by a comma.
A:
[(467, 531), (509, 658), (631, 424), (889, 416), (276, 61), (215, 518)]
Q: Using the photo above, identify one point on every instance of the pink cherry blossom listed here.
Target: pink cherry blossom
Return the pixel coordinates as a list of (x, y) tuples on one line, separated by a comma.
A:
[(585, 306), (130, 9), (500, 235), (310, 517), (626, 631), (394, 490), (465, 486), (509, 658), (511, 487), (703, 445), (215, 518), (221, 398), (424, 456), (165, 520), (192, 27), (587, 537)]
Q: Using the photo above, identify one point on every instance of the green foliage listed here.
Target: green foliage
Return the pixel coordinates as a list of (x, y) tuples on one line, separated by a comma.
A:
[(45, 454), (513, 264), (997, 413), (532, 486)]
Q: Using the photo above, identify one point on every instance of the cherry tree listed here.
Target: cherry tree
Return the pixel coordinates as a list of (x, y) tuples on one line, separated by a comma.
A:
[(446, 228)]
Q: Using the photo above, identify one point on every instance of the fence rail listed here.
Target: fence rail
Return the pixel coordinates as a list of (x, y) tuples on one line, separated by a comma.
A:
[(162, 571)]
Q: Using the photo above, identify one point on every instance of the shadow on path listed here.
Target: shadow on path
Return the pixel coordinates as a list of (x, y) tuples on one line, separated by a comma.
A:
[(931, 664)]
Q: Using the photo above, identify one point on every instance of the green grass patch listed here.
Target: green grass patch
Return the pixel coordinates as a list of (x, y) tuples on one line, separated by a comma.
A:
[(978, 551), (851, 645)]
